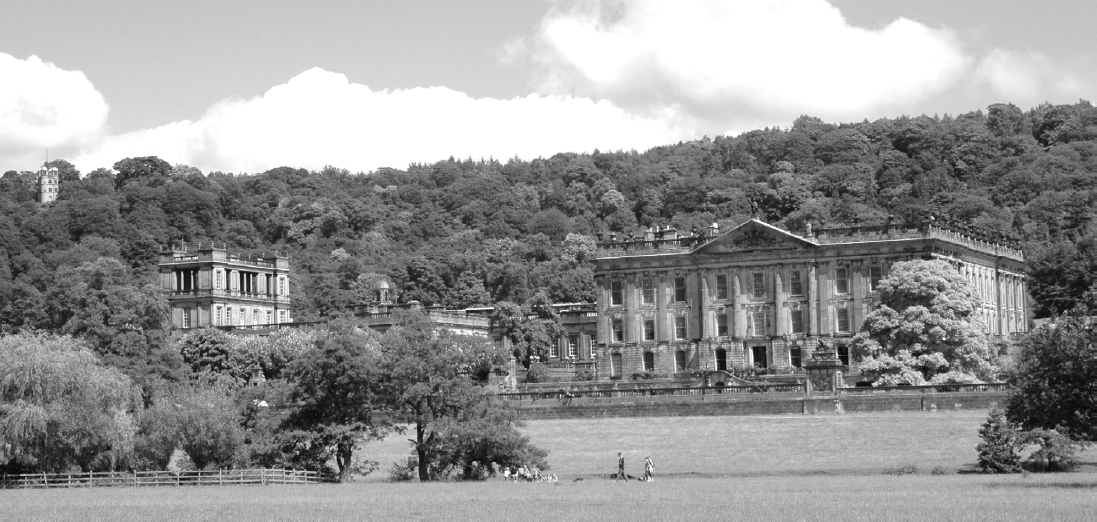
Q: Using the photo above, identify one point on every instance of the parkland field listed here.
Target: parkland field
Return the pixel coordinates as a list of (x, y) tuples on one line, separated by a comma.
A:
[(789, 467)]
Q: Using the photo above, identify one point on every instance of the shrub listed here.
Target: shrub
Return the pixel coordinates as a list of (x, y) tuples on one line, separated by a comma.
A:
[(403, 472), (584, 376), (998, 449), (938, 470), (904, 469), (1055, 450), (537, 373)]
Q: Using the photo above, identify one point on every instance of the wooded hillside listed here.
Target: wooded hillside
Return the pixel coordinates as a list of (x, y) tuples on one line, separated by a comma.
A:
[(475, 232)]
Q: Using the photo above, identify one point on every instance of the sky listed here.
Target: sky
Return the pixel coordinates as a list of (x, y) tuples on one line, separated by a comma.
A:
[(249, 85)]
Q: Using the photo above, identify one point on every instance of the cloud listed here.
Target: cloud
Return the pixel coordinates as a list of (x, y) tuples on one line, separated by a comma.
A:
[(319, 118), (742, 64), (44, 107), (1028, 78)]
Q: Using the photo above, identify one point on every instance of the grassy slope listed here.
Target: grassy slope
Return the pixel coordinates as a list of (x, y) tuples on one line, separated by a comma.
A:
[(823, 467)]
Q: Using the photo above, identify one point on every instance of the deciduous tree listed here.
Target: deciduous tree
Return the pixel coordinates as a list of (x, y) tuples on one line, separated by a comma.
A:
[(925, 329)]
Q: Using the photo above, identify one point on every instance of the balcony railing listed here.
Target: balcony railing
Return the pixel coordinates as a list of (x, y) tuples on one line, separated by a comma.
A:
[(208, 292)]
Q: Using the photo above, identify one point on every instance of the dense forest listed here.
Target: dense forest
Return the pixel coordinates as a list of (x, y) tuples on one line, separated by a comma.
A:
[(458, 233)]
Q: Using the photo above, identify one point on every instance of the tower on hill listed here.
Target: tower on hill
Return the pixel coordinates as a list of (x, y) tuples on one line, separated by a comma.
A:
[(49, 181)]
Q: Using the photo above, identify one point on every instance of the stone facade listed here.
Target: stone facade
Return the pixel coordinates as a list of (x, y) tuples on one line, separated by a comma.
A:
[(761, 296), (206, 286)]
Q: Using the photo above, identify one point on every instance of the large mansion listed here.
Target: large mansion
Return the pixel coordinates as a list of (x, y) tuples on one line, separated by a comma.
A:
[(762, 296)]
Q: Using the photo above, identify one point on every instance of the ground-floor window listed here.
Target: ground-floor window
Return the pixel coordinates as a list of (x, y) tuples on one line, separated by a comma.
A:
[(615, 365), (843, 354), (758, 356), (721, 360), (680, 360), (573, 346), (795, 357), (649, 362), (186, 318)]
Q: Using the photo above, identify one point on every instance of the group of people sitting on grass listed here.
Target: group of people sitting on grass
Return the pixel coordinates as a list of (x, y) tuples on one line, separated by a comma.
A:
[(527, 473)]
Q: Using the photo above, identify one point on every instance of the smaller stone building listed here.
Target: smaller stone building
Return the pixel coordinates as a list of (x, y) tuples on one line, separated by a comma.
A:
[(207, 286)]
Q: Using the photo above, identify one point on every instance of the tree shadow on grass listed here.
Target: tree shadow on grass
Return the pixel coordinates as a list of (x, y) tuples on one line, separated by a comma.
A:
[(1044, 485)]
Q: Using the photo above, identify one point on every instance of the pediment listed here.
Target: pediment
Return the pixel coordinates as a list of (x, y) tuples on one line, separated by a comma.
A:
[(754, 236)]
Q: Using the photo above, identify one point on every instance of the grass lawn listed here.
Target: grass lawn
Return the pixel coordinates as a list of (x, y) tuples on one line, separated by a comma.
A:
[(796, 467)]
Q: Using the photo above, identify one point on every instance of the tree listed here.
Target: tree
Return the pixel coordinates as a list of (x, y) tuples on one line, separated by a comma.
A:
[(60, 408), (924, 329), (336, 391), (99, 302), (431, 376), (200, 418), (532, 329), (1054, 382)]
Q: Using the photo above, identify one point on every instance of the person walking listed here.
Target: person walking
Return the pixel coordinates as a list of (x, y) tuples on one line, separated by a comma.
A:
[(620, 468), (649, 469)]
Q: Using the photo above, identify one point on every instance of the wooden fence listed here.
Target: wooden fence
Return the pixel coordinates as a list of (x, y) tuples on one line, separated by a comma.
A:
[(220, 477)]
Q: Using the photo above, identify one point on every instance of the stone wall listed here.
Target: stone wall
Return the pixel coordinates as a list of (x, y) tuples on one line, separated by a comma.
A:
[(763, 404)]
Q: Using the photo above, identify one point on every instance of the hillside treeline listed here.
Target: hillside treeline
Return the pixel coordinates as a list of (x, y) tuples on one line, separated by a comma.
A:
[(459, 233)]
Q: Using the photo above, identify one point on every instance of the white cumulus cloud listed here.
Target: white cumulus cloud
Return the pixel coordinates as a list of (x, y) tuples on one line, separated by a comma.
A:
[(723, 65), (45, 107), (320, 118)]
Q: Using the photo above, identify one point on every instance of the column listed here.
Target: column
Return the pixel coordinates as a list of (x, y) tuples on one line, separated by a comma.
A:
[(779, 297), (811, 287)]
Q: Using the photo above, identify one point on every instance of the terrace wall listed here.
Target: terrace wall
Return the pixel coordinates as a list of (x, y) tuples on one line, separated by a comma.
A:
[(750, 400)]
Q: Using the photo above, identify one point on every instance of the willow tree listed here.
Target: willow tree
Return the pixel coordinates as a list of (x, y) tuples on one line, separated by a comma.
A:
[(925, 329), (60, 408)]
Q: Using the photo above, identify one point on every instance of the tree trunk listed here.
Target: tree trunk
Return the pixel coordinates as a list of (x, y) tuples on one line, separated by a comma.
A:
[(342, 459), (421, 451)]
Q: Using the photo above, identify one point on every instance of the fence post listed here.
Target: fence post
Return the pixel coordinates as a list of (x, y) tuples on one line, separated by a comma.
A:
[(220, 476), (45, 481), (263, 476)]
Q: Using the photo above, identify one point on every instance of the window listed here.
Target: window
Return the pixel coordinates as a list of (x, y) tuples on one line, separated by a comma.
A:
[(680, 289), (679, 327), (618, 332), (679, 360), (721, 360), (615, 365), (841, 281), (590, 349), (573, 346), (281, 286), (649, 362), (796, 317), (616, 296), (759, 285), (795, 358), (217, 278), (795, 284), (186, 318), (842, 315), (648, 291), (218, 315), (255, 316), (722, 286), (758, 323), (843, 354), (722, 324), (554, 351), (875, 273), (649, 329)]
